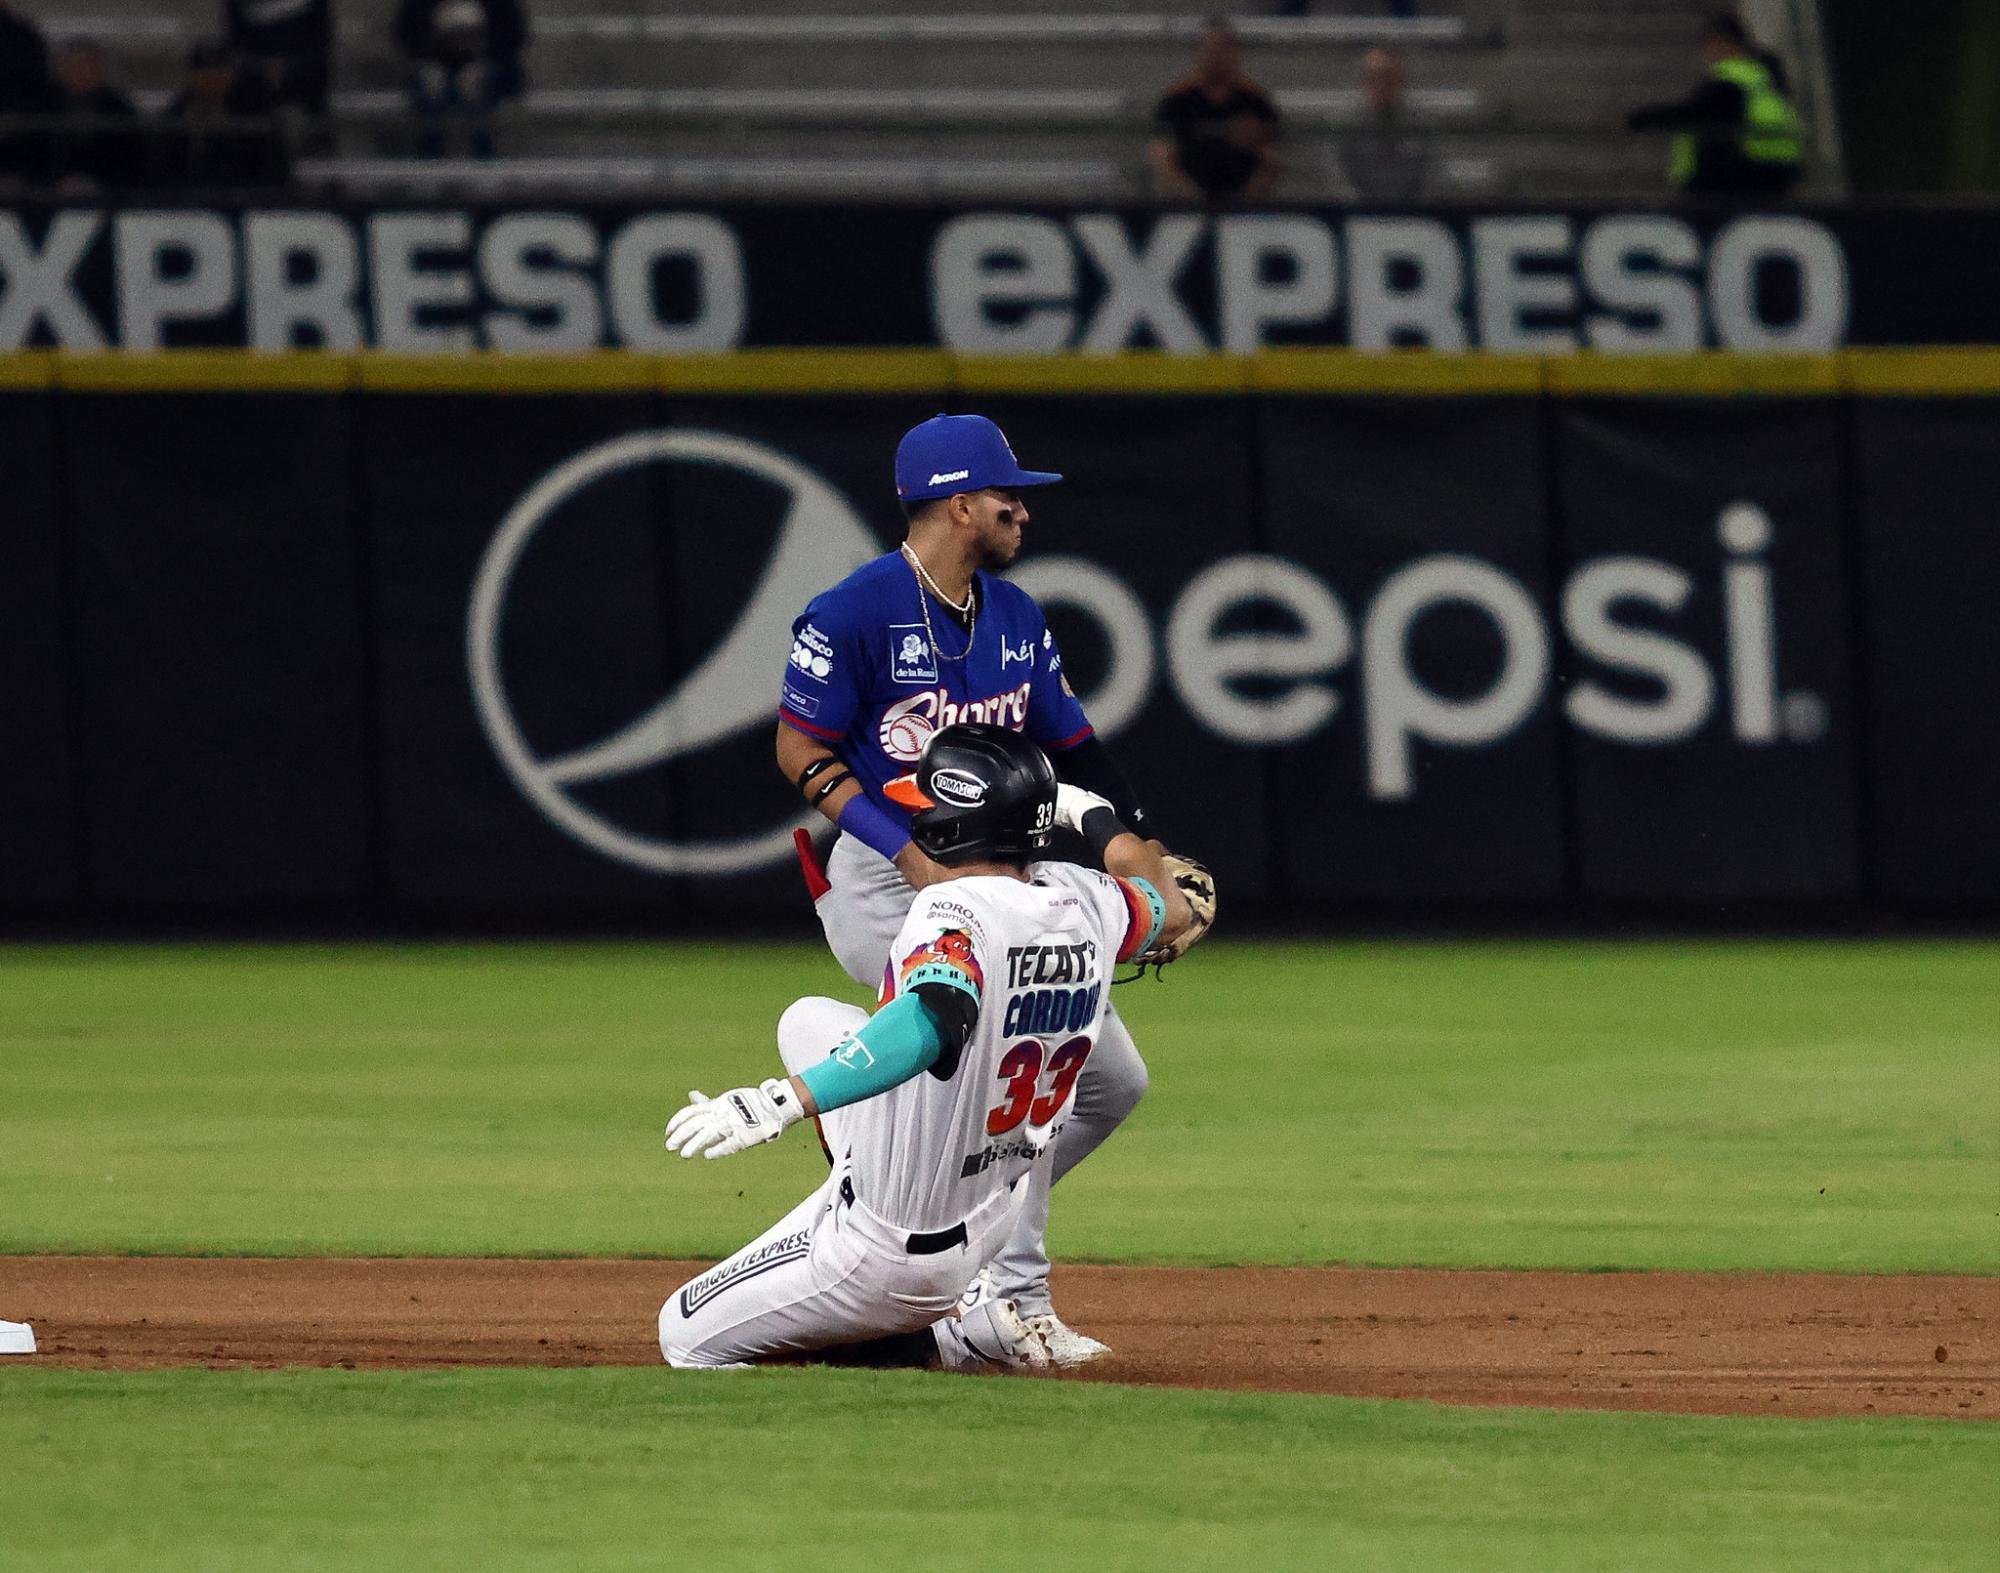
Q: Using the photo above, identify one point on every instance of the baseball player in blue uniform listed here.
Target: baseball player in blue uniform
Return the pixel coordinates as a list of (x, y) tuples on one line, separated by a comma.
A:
[(916, 640)]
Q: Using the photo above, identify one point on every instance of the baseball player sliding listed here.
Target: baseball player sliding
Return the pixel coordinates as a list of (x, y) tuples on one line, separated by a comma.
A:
[(941, 1108), (915, 640)]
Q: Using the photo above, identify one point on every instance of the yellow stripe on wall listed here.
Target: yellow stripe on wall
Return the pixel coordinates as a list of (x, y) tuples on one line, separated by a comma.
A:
[(805, 371), (202, 371), (1707, 374), (28, 369), (1938, 371)]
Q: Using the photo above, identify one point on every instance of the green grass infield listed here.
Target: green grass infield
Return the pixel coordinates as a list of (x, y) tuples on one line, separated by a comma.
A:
[(835, 1471), (1730, 1105)]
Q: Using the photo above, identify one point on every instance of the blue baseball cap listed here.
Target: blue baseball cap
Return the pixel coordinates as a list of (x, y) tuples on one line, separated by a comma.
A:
[(959, 453)]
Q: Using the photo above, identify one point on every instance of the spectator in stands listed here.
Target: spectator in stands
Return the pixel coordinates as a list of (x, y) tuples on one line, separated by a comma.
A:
[(1216, 130), (24, 89), (1383, 160), (93, 141), (290, 42), (1737, 133), (222, 130), (465, 58)]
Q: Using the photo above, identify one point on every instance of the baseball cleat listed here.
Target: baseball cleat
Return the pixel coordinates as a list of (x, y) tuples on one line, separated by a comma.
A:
[(991, 1333), (1066, 1346)]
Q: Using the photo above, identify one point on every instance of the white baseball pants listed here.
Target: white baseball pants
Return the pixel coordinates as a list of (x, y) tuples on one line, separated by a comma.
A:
[(830, 1272), (862, 914)]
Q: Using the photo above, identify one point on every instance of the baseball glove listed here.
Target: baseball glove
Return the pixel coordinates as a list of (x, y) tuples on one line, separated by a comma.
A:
[(1197, 884)]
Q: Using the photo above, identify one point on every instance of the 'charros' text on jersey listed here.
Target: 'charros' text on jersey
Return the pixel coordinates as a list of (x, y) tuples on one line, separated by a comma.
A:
[(907, 724), (867, 675)]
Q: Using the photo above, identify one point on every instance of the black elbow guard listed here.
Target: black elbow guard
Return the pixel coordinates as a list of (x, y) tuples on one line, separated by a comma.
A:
[(956, 1015)]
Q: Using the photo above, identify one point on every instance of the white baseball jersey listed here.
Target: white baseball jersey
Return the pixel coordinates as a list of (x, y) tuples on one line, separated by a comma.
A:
[(1038, 957), (924, 1191), (862, 912)]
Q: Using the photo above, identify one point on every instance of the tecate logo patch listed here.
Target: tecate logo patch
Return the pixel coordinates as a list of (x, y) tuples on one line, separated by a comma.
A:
[(960, 789)]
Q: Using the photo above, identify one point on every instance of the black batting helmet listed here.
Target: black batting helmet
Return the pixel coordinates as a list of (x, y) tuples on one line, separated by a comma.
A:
[(980, 792)]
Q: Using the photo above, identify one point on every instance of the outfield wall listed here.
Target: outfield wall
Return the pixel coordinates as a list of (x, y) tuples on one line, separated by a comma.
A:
[(392, 641), (458, 278)]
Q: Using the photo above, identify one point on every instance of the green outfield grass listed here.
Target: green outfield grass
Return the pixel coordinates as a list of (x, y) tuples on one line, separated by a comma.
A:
[(1711, 1106), (836, 1471)]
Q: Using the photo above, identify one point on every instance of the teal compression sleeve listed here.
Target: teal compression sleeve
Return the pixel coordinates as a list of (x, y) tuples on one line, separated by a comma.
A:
[(901, 1040)]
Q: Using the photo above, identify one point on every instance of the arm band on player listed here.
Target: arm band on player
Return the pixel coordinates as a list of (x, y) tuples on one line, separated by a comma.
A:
[(829, 786), (871, 824), (1101, 827), (824, 762), (1090, 765), (901, 1040), (1156, 915)]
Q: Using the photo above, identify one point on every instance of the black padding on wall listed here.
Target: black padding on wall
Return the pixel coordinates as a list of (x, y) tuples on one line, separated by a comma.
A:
[(220, 647), (39, 864)]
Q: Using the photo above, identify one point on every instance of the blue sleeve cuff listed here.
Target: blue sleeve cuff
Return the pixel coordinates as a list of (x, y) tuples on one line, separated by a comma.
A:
[(872, 825)]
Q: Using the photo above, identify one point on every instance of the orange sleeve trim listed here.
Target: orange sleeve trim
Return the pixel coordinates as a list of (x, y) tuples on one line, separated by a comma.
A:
[(1138, 920)]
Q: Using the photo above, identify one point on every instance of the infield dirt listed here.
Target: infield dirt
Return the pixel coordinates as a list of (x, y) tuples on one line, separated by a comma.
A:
[(1770, 1344)]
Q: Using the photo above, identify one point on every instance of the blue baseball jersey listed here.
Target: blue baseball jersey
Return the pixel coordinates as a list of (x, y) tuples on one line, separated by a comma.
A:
[(864, 680)]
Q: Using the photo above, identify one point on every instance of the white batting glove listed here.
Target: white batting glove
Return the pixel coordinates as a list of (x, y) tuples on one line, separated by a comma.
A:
[(745, 1117), (1072, 803)]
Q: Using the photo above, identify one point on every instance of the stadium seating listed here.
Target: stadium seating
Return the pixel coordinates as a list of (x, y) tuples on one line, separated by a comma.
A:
[(777, 97)]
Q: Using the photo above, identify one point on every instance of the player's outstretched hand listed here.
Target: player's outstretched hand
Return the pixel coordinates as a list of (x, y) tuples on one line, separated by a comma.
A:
[(744, 1117), (1073, 802)]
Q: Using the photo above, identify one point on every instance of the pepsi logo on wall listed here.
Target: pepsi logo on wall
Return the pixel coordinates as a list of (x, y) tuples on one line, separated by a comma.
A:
[(516, 659)]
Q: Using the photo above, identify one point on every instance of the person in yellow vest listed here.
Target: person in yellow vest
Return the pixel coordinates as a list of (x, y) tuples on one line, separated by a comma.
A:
[(1737, 133)]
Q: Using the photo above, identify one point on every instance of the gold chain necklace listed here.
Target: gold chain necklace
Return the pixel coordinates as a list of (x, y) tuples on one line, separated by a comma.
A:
[(969, 611)]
